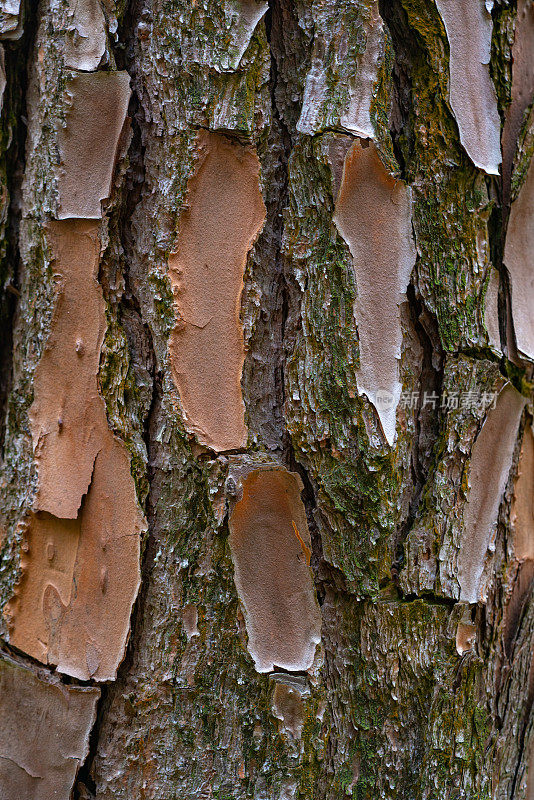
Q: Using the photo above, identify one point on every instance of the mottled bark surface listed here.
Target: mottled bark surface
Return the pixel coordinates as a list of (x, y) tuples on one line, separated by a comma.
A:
[(266, 383)]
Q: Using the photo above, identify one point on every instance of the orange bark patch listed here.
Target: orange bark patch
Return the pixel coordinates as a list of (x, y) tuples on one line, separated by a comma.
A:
[(67, 416), (224, 216), (80, 574), (373, 215), (88, 142), (272, 576), (46, 587), (80, 577), (44, 735), (465, 637)]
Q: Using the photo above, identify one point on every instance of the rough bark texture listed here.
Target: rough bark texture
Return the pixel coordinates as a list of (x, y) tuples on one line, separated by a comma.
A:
[(266, 382)]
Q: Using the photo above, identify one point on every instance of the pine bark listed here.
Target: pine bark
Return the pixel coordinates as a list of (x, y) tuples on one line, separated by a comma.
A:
[(229, 568)]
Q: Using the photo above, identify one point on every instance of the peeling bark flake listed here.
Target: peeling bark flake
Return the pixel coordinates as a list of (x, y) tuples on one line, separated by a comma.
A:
[(491, 460), (373, 215), (316, 111), (273, 580), (249, 13), (522, 513), (288, 707), (86, 37), (46, 584), (10, 19), (522, 87), (67, 412), (357, 117), (224, 216), (44, 735), (81, 573), (472, 95), (80, 577), (519, 259), (88, 142)]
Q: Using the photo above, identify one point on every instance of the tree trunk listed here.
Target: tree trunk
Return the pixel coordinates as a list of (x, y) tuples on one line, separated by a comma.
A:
[(267, 474)]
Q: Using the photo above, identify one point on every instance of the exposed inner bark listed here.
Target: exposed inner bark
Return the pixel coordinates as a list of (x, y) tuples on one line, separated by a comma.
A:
[(523, 503), (225, 215), (519, 259), (44, 735), (80, 574), (270, 545), (289, 709), (472, 94), (465, 637), (373, 214), (88, 142), (68, 416), (488, 474), (80, 577), (522, 89)]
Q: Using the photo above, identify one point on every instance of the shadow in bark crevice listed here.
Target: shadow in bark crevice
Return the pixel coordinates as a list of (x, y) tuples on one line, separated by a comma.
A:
[(13, 130)]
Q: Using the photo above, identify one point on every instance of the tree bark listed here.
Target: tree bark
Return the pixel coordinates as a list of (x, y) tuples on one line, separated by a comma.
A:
[(266, 381)]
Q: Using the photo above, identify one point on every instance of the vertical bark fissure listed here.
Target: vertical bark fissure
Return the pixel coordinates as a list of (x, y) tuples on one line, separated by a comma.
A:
[(405, 47), (269, 328), (497, 226), (427, 424), (14, 121), (273, 24), (395, 19)]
